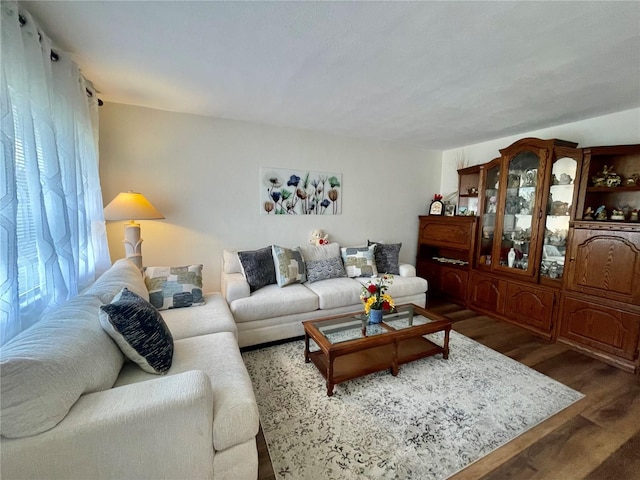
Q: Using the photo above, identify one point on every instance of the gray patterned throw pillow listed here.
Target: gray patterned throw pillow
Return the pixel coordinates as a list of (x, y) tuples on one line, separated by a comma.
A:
[(387, 257), (325, 269)]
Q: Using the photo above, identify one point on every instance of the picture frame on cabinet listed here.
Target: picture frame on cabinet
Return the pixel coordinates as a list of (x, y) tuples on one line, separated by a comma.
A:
[(436, 207), (462, 211), (449, 210)]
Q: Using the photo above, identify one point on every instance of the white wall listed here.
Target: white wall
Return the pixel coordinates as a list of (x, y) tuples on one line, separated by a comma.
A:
[(620, 128), (202, 173)]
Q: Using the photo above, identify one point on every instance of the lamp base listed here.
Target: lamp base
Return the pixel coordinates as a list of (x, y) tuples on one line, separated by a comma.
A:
[(133, 243)]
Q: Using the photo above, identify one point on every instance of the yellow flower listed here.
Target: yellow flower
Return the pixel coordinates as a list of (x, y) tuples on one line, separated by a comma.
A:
[(373, 294)]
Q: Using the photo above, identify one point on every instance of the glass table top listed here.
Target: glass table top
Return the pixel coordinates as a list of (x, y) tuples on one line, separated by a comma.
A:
[(352, 327)]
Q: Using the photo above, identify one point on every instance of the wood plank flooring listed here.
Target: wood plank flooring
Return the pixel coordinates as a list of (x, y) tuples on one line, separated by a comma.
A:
[(597, 438)]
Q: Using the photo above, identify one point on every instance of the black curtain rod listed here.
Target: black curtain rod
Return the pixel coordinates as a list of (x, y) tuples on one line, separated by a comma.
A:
[(55, 57)]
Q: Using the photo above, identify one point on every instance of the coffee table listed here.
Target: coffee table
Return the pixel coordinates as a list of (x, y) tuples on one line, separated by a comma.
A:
[(350, 347)]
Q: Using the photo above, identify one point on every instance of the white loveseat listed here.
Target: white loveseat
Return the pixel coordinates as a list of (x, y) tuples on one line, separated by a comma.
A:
[(73, 408), (274, 313)]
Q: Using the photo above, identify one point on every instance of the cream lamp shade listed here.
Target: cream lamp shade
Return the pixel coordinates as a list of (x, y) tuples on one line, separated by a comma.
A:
[(131, 206)]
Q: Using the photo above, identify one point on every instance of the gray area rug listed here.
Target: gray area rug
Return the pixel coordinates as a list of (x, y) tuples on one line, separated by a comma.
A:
[(432, 420)]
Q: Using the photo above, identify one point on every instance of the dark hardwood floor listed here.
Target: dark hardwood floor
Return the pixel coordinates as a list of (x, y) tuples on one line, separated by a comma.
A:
[(597, 438)]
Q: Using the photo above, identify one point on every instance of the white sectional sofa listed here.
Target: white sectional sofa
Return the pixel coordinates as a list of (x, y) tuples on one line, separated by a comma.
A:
[(74, 408), (274, 313)]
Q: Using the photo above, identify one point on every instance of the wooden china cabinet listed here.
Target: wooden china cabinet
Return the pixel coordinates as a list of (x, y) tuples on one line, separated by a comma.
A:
[(528, 199), (600, 304), (554, 247)]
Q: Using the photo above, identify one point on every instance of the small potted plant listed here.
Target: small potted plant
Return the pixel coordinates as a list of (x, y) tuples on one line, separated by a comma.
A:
[(374, 298)]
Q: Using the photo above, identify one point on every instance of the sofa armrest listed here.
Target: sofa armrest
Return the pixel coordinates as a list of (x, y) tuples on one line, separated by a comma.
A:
[(407, 270), (160, 428), (234, 286)]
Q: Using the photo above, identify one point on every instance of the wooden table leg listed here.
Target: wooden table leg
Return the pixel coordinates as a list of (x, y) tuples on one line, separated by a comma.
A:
[(445, 353), (394, 360), (306, 347), (330, 376)]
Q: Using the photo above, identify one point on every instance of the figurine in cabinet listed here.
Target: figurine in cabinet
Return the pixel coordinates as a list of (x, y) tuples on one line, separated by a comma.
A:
[(529, 179), (588, 214), (601, 213), (559, 208), (565, 179), (633, 180), (513, 181), (492, 204), (617, 214), (600, 179), (634, 216), (613, 179)]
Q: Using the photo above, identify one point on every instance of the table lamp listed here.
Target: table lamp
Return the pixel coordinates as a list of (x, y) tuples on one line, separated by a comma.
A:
[(131, 206)]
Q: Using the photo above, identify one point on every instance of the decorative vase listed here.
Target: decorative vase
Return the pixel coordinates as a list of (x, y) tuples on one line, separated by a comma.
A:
[(375, 316), (511, 256)]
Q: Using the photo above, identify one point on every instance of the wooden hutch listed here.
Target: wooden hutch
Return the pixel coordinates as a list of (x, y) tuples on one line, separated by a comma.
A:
[(554, 245)]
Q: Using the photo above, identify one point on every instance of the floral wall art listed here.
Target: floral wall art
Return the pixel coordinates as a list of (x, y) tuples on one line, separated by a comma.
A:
[(300, 192)]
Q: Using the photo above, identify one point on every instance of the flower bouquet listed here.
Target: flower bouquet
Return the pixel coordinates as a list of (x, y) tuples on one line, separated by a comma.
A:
[(375, 299)]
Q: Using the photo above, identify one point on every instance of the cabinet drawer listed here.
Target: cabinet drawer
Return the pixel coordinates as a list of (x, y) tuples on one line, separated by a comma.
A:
[(600, 327), (606, 264), (487, 293), (449, 232), (453, 283), (530, 306)]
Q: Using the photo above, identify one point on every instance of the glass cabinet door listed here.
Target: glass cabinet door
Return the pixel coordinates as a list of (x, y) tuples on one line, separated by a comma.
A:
[(489, 205), (559, 207), (519, 213)]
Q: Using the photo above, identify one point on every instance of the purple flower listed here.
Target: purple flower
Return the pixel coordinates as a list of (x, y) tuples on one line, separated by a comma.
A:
[(294, 180), (275, 196)]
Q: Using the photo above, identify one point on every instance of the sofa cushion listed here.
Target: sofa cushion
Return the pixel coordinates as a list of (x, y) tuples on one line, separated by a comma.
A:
[(123, 273), (337, 292), (289, 266), (45, 369), (359, 261), (139, 330), (325, 269), (273, 301), (235, 412), (212, 317), (387, 257), (258, 268), (174, 287)]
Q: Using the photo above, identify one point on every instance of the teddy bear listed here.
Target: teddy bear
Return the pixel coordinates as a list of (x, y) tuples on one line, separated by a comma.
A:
[(318, 237)]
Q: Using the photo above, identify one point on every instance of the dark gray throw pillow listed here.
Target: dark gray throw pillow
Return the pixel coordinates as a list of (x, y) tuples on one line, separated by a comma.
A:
[(258, 267), (139, 330), (387, 257)]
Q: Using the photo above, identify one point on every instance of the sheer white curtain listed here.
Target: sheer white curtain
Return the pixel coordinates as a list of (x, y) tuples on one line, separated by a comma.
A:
[(52, 235)]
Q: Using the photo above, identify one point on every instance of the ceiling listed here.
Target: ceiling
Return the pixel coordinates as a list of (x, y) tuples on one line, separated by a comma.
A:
[(437, 75)]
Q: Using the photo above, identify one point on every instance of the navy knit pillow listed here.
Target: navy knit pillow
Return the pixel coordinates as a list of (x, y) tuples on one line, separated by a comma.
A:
[(139, 330), (258, 268)]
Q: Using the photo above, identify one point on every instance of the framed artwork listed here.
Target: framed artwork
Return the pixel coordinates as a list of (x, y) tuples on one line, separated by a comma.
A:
[(462, 211), (284, 191), (449, 210), (436, 208)]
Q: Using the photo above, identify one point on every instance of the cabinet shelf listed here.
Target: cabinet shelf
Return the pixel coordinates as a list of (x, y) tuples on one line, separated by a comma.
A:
[(633, 188), (453, 262)]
